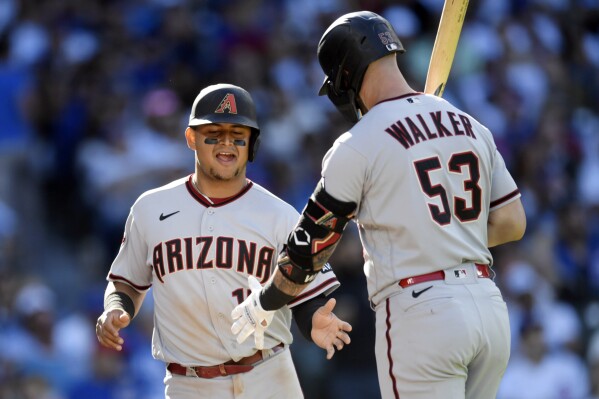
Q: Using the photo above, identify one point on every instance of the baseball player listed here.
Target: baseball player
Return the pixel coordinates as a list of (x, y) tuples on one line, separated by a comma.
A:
[(430, 194), (204, 243)]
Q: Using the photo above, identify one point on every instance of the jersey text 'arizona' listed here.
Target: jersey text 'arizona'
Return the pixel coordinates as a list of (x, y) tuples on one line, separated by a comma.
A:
[(194, 253)]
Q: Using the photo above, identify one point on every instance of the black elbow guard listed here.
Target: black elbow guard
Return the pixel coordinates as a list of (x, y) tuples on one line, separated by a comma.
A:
[(316, 235)]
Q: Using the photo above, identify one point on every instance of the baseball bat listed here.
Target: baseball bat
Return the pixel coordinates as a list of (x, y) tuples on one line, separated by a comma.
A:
[(446, 42)]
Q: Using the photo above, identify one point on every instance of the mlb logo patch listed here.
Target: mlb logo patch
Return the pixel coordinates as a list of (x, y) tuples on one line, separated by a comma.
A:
[(460, 273)]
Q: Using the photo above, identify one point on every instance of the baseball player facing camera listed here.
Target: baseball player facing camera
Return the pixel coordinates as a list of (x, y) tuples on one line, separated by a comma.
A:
[(430, 194), (204, 243)]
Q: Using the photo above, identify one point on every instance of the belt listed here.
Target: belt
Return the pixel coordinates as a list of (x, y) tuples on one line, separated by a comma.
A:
[(483, 271), (241, 366)]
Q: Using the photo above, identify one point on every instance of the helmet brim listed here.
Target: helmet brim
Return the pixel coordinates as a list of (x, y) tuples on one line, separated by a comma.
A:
[(227, 118)]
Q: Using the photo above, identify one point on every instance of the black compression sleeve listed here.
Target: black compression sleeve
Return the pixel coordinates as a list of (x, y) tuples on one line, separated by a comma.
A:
[(303, 313), (272, 298), (120, 300)]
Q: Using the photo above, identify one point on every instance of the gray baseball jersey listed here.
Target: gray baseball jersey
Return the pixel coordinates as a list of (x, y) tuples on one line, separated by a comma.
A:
[(424, 185), (197, 256)]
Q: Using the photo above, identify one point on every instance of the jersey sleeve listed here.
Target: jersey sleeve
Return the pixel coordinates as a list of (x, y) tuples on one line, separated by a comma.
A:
[(503, 189), (130, 264), (344, 172), (324, 283)]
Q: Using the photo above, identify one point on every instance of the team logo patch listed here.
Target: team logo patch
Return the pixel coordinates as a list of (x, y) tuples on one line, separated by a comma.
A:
[(287, 269), (228, 104), (460, 273)]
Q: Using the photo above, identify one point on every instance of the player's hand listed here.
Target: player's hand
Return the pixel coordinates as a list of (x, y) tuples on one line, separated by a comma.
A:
[(108, 326), (328, 331), (249, 316)]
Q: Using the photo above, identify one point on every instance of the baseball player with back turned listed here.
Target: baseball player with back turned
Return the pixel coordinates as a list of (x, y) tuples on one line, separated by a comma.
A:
[(430, 194), (196, 241)]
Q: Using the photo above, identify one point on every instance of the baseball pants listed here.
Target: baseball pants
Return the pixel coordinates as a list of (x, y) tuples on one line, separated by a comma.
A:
[(450, 341)]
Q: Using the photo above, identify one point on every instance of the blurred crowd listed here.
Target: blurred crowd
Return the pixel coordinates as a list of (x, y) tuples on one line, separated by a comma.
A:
[(94, 99)]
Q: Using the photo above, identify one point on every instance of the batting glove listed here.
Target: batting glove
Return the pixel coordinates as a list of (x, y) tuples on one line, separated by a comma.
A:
[(250, 317)]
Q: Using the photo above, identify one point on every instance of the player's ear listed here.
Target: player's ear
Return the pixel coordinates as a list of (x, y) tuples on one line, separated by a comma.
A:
[(190, 136)]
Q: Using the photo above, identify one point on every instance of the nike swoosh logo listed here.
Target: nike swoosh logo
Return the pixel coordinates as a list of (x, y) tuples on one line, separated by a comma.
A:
[(163, 216), (416, 294)]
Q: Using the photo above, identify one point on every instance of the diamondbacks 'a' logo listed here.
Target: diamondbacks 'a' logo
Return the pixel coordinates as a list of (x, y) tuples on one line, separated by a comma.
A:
[(227, 104)]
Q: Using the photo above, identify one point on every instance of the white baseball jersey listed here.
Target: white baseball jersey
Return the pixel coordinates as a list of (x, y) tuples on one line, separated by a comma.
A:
[(424, 185), (197, 256)]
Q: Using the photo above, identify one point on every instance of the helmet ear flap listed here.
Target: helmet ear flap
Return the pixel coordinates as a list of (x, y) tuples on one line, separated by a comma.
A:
[(254, 145), (345, 102)]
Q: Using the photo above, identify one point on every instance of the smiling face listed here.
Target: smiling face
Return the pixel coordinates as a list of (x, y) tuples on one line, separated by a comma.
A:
[(223, 158)]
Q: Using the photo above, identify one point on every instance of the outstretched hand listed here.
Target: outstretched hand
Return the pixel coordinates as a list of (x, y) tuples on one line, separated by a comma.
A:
[(328, 331), (108, 326)]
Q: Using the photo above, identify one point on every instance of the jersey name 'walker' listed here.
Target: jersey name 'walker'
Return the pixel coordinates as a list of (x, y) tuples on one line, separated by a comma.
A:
[(196, 256)]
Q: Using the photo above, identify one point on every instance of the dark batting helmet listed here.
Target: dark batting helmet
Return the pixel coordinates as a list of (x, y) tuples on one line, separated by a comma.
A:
[(226, 103), (346, 48)]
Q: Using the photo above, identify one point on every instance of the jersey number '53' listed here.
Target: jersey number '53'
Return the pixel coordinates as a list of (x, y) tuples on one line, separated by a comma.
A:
[(460, 209)]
